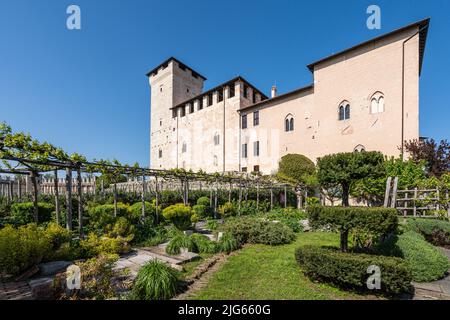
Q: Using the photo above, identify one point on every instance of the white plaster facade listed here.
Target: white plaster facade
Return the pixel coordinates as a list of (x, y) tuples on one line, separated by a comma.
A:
[(377, 79)]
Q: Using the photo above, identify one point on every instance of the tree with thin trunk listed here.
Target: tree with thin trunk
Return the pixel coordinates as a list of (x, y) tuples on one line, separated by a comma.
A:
[(344, 169)]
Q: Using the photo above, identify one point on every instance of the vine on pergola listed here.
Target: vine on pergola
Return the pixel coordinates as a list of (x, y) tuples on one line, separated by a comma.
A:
[(21, 154)]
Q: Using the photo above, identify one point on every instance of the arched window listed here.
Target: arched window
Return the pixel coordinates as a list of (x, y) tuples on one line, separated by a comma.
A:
[(359, 148), (344, 110), (289, 123), (377, 103), (216, 139)]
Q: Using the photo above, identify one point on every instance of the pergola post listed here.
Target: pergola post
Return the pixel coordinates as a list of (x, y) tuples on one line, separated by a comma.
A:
[(271, 197), (33, 176), (69, 198), (285, 196), (55, 184), (143, 196), (80, 203), (156, 199), (257, 195), (115, 199), (215, 200)]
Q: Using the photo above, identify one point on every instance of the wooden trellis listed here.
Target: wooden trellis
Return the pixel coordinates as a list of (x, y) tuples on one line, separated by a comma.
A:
[(214, 181)]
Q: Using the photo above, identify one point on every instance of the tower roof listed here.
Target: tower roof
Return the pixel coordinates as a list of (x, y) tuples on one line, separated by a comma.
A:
[(423, 28), (181, 64)]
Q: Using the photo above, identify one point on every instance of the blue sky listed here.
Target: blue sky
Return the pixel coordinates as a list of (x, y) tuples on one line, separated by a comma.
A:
[(86, 91)]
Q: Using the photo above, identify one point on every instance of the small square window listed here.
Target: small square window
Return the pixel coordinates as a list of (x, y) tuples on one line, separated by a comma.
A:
[(244, 169), (255, 168)]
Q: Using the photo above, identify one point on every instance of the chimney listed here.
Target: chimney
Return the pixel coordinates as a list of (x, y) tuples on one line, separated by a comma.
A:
[(273, 92)]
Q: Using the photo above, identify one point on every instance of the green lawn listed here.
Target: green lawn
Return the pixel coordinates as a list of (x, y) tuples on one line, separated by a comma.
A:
[(271, 272)]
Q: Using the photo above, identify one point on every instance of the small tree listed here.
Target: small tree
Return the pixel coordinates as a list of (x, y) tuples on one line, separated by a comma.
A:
[(437, 157), (345, 168), (298, 170), (378, 222)]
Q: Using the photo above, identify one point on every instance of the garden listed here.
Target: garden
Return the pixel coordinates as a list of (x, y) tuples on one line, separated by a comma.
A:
[(292, 235)]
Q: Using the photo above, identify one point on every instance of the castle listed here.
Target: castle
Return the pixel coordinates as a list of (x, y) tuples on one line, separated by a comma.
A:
[(363, 98)]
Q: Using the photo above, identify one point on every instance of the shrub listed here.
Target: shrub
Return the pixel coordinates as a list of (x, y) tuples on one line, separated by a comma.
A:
[(227, 210), (145, 229), (179, 215), (136, 210), (180, 241), (121, 228), (257, 230), (228, 243), (204, 201), (312, 201), (96, 276), (202, 244), (426, 262), (155, 281), (248, 207), (94, 245), (23, 212), (377, 222), (212, 224), (350, 269), (288, 216), (435, 231), (60, 243), (100, 216), (200, 210), (22, 248)]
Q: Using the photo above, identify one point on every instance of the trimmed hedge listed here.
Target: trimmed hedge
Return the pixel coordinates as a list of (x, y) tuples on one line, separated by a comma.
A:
[(426, 262), (350, 269), (435, 231), (258, 230), (375, 221)]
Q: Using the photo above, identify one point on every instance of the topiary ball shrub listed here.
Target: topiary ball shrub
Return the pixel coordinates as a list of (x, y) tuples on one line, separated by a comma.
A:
[(426, 262), (349, 270), (362, 221), (180, 215), (155, 281)]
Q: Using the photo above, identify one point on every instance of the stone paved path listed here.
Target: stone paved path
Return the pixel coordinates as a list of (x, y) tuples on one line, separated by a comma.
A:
[(436, 290), (15, 291)]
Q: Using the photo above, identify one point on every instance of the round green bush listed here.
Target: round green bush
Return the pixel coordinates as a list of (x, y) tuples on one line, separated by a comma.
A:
[(227, 210), (180, 215), (155, 281), (203, 201)]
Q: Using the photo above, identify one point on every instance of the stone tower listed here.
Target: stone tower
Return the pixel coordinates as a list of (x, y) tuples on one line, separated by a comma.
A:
[(172, 82)]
